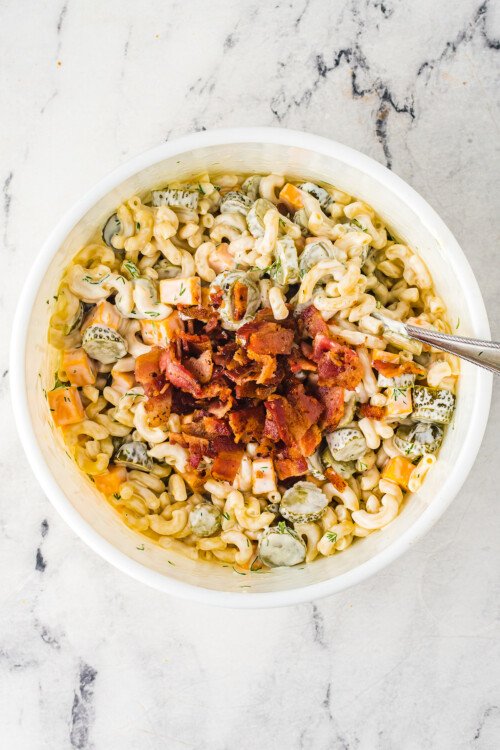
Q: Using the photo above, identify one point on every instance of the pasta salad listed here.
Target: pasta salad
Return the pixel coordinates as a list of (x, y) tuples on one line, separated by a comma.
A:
[(223, 381)]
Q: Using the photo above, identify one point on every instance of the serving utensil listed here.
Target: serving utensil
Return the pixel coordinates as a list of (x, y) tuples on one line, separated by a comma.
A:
[(483, 353)]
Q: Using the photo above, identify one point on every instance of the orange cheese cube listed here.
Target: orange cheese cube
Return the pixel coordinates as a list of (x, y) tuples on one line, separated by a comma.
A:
[(122, 381), (160, 332), (291, 197), (79, 368), (66, 406), (205, 296), (103, 314), (399, 402), (382, 356), (398, 470), (110, 482)]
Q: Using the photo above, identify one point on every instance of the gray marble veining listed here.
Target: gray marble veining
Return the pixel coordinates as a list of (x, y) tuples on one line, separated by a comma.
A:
[(408, 660)]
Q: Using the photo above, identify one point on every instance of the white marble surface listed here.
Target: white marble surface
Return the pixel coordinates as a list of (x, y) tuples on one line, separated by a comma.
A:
[(91, 659)]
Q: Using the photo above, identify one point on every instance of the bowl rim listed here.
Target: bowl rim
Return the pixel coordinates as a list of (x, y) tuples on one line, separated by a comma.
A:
[(209, 138)]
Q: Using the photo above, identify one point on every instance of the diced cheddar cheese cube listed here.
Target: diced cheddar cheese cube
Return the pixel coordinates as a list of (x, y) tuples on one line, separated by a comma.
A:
[(399, 402), (398, 470), (205, 296), (110, 482), (103, 314), (181, 291), (122, 381), (66, 406), (160, 332), (263, 476), (291, 197), (382, 356), (78, 367), (194, 480)]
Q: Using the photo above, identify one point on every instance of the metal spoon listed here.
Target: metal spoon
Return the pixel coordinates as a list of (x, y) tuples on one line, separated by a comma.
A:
[(483, 353)]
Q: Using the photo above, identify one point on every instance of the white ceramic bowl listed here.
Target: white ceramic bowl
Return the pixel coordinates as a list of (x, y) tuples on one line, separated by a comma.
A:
[(261, 150)]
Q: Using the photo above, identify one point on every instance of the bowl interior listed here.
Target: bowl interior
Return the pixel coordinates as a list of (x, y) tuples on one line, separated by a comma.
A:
[(425, 235)]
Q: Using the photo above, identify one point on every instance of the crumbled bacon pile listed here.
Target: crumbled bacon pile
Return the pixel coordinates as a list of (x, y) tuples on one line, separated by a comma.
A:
[(248, 386)]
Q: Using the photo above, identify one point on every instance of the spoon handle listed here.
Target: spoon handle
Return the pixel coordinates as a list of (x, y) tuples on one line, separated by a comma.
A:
[(483, 353)]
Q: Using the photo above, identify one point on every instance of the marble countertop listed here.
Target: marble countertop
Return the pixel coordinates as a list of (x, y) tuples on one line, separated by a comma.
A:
[(89, 658)]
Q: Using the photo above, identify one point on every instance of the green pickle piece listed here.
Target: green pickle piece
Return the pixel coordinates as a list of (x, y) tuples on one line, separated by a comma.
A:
[(345, 468), (285, 270), (226, 281), (235, 202), (281, 546), (303, 502), (205, 520), (251, 186), (112, 226), (432, 405), (255, 216), (322, 195), (313, 253), (415, 440), (346, 443), (176, 198), (104, 344), (134, 455)]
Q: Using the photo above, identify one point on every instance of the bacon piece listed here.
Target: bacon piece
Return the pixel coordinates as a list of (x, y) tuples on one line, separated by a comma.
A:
[(279, 419), (148, 372), (225, 354), (194, 343), (289, 419), (187, 440), (158, 408), (195, 426), (198, 312), (394, 370), (220, 408), (310, 441), (268, 366), (265, 315), (265, 448), (266, 337), (215, 427), (332, 398), (212, 324), (244, 373), (252, 390), (227, 464), (216, 296), (372, 412), (296, 362), (306, 349), (216, 389), (312, 323), (338, 482), (197, 446), (195, 456), (240, 300), (307, 407), (177, 374), (228, 458), (201, 367), (182, 403), (289, 463), (337, 364), (248, 424)]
